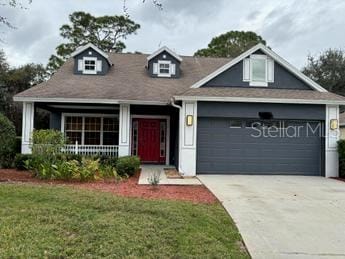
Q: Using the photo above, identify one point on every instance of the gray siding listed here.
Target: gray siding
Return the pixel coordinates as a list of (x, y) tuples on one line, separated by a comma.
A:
[(168, 58), (55, 120), (105, 64), (251, 110), (233, 77)]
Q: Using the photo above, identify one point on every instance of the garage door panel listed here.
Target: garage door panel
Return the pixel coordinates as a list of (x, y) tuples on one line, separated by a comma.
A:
[(226, 150)]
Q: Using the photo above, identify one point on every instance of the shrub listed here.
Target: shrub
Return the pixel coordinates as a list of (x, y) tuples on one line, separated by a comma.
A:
[(341, 151), (47, 142), (127, 165), (108, 161), (19, 161), (7, 142)]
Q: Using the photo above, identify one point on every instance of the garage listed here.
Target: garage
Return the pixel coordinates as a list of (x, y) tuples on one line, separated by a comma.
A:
[(283, 143)]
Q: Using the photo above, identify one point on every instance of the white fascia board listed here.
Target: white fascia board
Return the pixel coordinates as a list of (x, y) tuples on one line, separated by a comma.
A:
[(82, 100), (256, 100), (164, 48), (268, 52)]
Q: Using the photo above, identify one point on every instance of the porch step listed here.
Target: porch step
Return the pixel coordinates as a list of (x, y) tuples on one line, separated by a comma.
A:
[(148, 171)]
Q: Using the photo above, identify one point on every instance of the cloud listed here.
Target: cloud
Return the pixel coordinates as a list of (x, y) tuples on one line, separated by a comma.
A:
[(292, 28)]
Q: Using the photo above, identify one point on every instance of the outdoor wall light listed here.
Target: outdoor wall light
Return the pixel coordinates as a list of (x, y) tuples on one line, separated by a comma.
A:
[(189, 120), (333, 124)]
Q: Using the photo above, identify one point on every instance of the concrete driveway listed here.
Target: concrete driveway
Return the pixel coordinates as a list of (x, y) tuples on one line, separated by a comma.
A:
[(285, 216)]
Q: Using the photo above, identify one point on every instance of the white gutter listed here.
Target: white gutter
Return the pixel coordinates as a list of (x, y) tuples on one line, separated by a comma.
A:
[(84, 100), (257, 100)]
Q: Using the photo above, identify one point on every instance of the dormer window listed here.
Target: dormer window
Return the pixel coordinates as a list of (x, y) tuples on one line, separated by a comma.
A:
[(164, 63), (90, 60), (258, 70), (90, 66), (164, 68)]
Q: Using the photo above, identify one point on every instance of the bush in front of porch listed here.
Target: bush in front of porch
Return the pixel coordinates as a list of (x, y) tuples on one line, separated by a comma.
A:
[(48, 162)]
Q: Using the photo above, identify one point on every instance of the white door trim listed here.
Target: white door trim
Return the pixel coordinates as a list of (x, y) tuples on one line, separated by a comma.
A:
[(164, 117)]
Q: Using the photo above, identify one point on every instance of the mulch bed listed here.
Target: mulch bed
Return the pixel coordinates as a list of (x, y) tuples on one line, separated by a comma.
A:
[(126, 188)]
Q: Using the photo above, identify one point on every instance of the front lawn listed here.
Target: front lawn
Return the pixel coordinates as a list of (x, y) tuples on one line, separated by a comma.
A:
[(42, 221)]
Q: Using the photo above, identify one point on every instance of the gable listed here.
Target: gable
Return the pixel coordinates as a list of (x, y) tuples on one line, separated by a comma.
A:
[(91, 53), (164, 56), (233, 77), (259, 70)]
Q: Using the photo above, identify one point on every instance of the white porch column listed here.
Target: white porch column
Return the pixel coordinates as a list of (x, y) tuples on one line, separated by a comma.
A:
[(124, 131), (332, 136), (27, 126), (187, 139)]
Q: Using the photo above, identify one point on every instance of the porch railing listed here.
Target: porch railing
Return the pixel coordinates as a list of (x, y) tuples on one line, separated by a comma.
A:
[(88, 150)]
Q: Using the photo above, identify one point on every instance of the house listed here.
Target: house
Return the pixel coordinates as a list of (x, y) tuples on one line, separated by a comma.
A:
[(254, 114)]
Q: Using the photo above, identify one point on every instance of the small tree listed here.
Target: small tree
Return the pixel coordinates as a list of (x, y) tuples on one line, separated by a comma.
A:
[(230, 44), (105, 32), (7, 141), (328, 70)]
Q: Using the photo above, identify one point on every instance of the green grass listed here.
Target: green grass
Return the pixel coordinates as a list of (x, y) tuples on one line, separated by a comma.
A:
[(61, 222)]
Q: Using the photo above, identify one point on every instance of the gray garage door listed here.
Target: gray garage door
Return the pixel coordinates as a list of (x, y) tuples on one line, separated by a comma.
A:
[(233, 146)]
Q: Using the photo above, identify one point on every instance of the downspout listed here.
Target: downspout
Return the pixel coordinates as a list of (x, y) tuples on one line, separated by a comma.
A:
[(173, 104)]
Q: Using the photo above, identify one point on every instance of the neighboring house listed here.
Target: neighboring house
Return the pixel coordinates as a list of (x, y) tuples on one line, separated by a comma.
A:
[(201, 114)]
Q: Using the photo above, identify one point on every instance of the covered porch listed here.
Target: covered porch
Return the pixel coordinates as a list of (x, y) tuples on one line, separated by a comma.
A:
[(147, 131)]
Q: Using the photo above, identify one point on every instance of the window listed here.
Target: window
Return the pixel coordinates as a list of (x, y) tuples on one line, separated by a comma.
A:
[(162, 138), (90, 66), (92, 130), (235, 124), (258, 70), (135, 138), (258, 66), (74, 129), (164, 68)]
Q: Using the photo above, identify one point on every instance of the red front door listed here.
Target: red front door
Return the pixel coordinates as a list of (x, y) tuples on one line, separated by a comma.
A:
[(149, 141)]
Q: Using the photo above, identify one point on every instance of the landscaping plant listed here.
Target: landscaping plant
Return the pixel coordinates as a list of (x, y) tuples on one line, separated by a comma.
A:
[(341, 152), (127, 165), (20, 161), (154, 179), (7, 142)]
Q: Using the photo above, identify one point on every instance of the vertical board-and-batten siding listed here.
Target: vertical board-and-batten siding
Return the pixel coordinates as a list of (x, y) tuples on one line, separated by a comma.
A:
[(235, 77), (170, 58)]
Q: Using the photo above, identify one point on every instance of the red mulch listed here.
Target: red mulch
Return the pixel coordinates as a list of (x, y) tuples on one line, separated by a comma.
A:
[(127, 188)]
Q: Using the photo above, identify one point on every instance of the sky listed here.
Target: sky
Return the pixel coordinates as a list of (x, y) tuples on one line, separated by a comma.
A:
[(292, 28)]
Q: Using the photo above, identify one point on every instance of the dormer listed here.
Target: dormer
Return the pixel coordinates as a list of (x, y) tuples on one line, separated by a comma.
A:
[(90, 60), (164, 63)]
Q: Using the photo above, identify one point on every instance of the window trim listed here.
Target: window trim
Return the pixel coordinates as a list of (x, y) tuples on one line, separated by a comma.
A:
[(235, 127), (253, 82), (89, 72), (83, 116), (159, 74)]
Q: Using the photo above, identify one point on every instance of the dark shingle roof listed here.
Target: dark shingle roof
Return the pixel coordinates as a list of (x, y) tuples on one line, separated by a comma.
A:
[(127, 80)]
